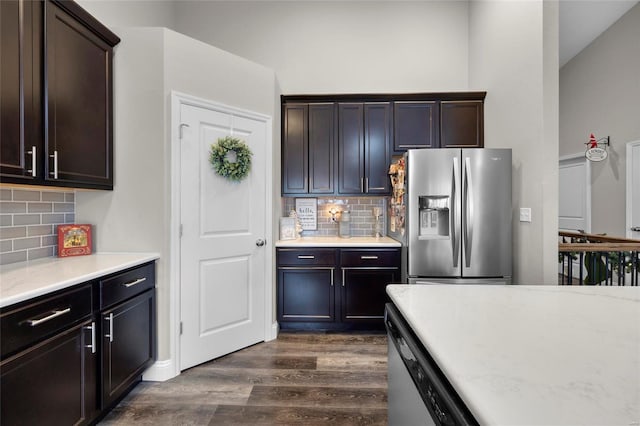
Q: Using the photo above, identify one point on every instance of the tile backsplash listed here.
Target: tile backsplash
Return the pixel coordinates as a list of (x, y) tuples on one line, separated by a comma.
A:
[(28, 219), (361, 208)]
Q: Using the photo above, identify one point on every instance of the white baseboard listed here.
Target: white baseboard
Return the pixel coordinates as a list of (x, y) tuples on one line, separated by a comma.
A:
[(160, 371), (275, 328)]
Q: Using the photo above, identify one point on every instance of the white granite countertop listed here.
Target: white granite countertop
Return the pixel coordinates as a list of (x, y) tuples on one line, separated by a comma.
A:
[(339, 242), (534, 355), (25, 280)]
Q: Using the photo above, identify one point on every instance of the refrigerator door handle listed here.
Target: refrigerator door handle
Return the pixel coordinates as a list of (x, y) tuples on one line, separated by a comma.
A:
[(454, 217), (468, 211)]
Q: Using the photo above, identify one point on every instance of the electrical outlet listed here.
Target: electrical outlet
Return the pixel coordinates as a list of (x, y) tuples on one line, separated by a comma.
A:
[(525, 214)]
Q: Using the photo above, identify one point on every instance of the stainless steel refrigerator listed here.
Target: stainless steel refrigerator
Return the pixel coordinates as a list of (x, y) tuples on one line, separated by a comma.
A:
[(457, 213)]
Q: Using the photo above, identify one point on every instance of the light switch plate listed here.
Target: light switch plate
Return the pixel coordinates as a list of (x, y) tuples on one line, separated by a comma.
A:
[(525, 214)]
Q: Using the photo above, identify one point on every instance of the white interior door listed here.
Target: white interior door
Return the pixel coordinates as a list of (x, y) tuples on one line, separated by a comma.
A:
[(633, 190), (222, 268), (574, 206)]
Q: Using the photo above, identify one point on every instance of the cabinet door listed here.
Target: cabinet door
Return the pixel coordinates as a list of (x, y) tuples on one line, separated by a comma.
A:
[(295, 149), (306, 294), (321, 148), (351, 148), (377, 138), (461, 124), (79, 103), (128, 347), (364, 293), (53, 382), (20, 117), (415, 125)]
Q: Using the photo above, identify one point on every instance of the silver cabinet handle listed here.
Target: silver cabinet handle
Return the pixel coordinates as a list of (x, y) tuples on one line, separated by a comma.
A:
[(92, 327), (635, 228), (134, 282), (55, 164), (54, 314), (366, 185), (33, 153), (260, 242), (302, 256), (332, 271), (110, 335), (361, 184), (369, 257)]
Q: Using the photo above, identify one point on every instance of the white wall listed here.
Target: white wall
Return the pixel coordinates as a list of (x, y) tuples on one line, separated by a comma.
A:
[(600, 94), (340, 47), (131, 13), (513, 52), (149, 63)]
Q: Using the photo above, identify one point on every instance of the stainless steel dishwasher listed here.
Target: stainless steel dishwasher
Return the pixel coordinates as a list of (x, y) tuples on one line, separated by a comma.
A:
[(418, 392)]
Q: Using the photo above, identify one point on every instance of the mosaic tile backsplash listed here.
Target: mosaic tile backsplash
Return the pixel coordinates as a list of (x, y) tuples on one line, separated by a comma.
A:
[(28, 220), (361, 209)]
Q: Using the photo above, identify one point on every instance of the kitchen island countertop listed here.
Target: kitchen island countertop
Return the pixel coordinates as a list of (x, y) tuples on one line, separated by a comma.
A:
[(26, 280), (535, 355), (339, 242)]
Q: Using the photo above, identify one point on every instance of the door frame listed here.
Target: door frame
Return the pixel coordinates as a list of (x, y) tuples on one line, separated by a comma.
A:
[(630, 146), (587, 163), (177, 100)]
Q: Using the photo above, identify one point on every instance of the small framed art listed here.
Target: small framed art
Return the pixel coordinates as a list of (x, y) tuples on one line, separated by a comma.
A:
[(74, 240), (288, 228)]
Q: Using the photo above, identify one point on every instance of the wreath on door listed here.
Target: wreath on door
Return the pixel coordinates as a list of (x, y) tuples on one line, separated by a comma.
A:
[(231, 158)]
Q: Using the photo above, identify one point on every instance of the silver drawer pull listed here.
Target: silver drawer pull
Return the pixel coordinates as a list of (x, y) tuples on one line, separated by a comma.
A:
[(54, 314), (306, 257), (369, 257), (134, 282)]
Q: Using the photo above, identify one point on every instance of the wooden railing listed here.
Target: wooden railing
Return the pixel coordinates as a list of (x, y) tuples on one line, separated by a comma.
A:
[(589, 259)]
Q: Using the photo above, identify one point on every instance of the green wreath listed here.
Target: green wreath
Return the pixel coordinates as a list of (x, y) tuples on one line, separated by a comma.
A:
[(231, 158)]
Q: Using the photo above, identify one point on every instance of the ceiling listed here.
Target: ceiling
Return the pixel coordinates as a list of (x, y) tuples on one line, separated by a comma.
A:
[(582, 21)]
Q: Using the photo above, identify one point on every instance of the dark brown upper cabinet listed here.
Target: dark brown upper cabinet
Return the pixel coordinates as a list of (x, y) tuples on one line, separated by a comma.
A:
[(377, 147), (308, 149), (461, 124), (61, 134), (364, 143), (322, 148), (415, 125), (342, 144), (295, 149), (20, 91)]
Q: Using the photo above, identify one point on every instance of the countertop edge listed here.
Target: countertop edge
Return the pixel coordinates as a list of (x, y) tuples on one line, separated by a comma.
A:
[(47, 288), (364, 242)]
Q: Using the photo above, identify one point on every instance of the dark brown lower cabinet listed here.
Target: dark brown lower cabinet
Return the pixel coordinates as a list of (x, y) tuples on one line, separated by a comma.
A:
[(54, 366), (306, 294), (334, 288), (364, 293), (128, 345), (53, 382)]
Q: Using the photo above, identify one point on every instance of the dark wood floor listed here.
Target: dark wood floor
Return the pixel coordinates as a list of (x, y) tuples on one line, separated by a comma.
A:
[(298, 379)]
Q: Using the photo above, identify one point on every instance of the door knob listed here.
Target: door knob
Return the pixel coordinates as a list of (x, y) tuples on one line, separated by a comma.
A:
[(260, 242)]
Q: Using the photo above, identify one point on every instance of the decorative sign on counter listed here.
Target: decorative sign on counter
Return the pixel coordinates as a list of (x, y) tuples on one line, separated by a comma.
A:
[(74, 240), (307, 210)]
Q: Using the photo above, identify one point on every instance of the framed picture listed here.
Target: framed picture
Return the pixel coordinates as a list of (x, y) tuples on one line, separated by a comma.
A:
[(288, 228), (307, 210), (74, 240)]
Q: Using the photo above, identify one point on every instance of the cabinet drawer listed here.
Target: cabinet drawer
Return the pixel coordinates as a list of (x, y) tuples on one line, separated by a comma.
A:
[(306, 257), (373, 257), (33, 321), (120, 287)]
